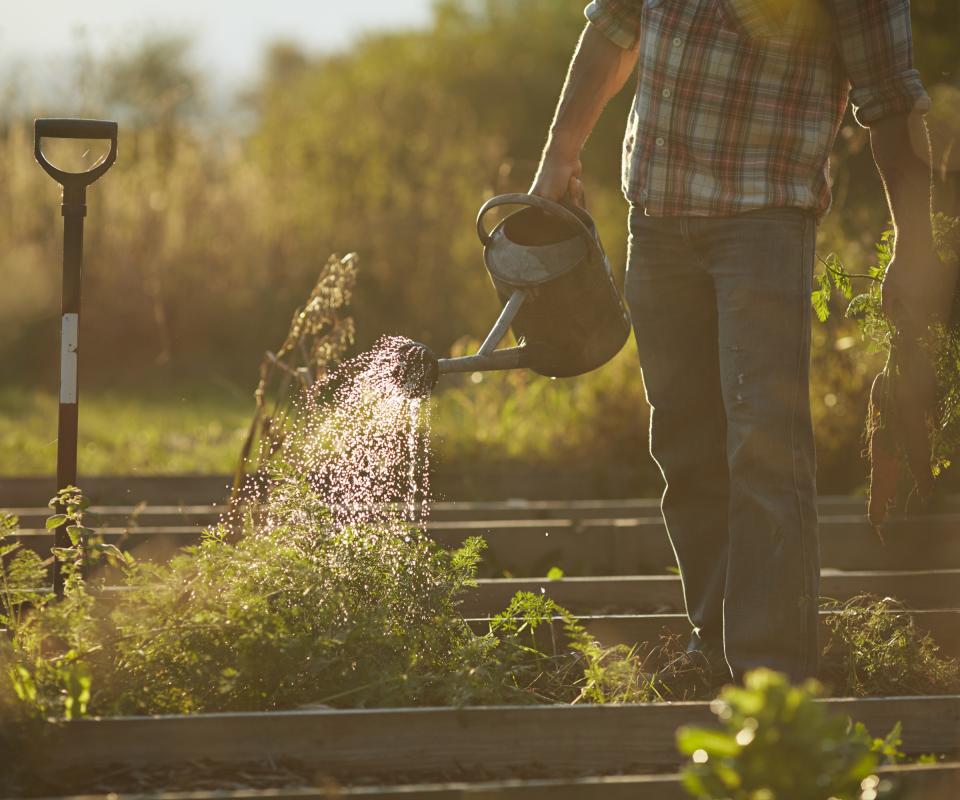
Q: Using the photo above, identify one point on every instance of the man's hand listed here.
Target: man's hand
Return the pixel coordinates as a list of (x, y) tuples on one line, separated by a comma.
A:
[(559, 177), (917, 288)]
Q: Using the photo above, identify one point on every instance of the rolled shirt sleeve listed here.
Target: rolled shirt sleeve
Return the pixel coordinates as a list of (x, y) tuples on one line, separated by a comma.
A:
[(618, 20), (875, 42)]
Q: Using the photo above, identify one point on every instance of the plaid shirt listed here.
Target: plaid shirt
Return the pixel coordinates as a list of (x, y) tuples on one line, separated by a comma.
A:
[(738, 104)]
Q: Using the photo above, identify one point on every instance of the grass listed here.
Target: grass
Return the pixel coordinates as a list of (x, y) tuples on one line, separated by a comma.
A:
[(189, 430), (196, 428)]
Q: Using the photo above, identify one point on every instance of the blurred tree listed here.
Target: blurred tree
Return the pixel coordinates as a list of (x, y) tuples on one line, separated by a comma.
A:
[(392, 147), (152, 84), (204, 239)]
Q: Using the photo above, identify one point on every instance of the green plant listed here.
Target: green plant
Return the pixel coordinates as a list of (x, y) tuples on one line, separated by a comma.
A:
[(875, 649), (549, 656), (775, 742), (914, 413), (298, 610), (45, 662)]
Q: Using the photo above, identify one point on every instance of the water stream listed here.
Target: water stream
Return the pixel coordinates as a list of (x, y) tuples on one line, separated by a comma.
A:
[(364, 443)]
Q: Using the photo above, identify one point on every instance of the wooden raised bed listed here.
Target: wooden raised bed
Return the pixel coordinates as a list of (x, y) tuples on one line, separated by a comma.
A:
[(627, 546), (491, 741), (936, 588), (917, 782)]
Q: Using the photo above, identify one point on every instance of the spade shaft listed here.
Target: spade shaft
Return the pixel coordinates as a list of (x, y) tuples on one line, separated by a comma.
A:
[(73, 209)]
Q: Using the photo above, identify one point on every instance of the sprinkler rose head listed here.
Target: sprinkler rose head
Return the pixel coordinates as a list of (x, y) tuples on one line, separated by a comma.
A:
[(417, 371)]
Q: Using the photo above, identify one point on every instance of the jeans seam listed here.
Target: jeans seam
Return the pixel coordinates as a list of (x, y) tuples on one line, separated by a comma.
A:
[(805, 625)]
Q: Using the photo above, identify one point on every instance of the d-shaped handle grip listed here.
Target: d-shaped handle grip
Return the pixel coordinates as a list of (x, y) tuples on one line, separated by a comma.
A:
[(577, 217), (55, 128)]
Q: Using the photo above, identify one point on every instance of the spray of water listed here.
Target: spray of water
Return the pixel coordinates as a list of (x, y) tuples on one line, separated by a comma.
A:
[(363, 442)]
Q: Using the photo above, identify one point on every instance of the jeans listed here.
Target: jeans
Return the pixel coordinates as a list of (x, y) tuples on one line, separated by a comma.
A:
[(721, 313)]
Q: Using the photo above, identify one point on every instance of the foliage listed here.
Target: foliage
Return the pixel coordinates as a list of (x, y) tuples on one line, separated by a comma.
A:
[(299, 612), (913, 417), (44, 665), (876, 649), (199, 226), (775, 742), (203, 236), (833, 276)]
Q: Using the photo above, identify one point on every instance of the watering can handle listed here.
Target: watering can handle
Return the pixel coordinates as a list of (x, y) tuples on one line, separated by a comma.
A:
[(558, 210), (58, 128)]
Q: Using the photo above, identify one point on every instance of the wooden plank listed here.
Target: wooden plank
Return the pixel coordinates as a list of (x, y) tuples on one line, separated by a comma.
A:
[(630, 629), (618, 546), (498, 481), (492, 741), (640, 545), (916, 782), (659, 593), (170, 512), (628, 507), (127, 489), (617, 787)]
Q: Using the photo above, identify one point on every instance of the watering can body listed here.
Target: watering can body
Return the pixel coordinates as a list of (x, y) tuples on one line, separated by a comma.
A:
[(572, 318), (558, 294)]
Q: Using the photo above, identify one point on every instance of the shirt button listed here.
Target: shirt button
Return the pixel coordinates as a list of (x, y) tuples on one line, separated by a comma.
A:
[(677, 41), (666, 93), (661, 141)]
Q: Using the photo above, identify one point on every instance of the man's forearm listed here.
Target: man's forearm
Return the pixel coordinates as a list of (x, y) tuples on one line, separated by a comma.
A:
[(917, 290), (901, 150), (597, 72)]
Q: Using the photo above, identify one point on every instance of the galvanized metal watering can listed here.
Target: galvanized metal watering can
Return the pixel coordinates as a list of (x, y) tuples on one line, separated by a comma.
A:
[(554, 280)]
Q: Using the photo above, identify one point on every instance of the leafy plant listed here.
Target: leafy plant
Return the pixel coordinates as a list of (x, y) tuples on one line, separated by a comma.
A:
[(776, 742), (45, 661), (914, 413), (875, 649)]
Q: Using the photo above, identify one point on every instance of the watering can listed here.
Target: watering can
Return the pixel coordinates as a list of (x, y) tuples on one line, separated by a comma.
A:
[(558, 295)]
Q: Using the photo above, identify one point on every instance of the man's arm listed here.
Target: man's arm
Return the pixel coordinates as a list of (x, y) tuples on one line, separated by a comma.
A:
[(913, 290), (875, 41), (598, 71)]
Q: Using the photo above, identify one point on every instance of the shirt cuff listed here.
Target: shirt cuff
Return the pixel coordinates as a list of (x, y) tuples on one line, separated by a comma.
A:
[(621, 25), (899, 94)]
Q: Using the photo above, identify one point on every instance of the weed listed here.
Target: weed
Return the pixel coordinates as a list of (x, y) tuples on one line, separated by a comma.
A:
[(875, 648)]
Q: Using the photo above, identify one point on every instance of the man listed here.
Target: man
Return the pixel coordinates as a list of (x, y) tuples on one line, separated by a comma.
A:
[(737, 105)]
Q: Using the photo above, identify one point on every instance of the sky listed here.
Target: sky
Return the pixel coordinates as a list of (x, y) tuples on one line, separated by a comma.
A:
[(229, 34)]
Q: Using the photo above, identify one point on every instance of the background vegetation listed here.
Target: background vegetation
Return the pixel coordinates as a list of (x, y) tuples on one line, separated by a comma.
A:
[(213, 226)]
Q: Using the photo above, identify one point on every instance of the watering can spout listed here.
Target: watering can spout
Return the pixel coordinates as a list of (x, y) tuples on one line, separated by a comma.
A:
[(420, 369), (507, 358)]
